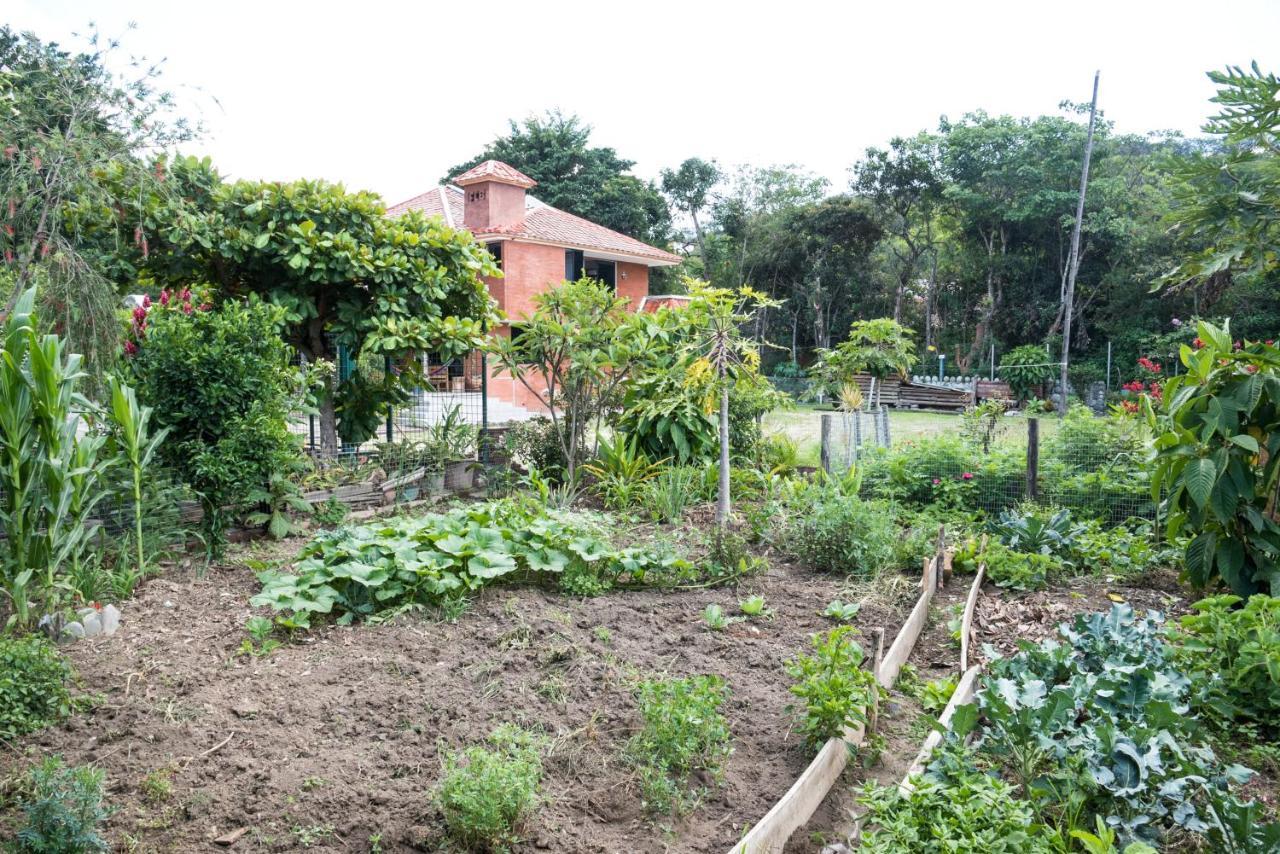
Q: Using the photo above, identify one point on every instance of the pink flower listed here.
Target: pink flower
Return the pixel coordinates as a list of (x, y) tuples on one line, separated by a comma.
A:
[(164, 297), (936, 481), (130, 348), (146, 301), (186, 308), (967, 476)]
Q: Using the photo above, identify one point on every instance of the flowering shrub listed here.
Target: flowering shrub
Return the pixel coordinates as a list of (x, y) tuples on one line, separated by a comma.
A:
[(220, 381)]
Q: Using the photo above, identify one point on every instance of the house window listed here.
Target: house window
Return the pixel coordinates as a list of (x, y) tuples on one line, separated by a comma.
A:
[(495, 249), (604, 271), (573, 264)]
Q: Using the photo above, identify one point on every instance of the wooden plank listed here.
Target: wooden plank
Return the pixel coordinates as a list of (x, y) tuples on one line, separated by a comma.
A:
[(963, 694), (802, 800), (966, 622), (806, 794), (900, 651)]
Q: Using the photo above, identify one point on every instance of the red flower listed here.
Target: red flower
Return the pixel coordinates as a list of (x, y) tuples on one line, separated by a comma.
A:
[(1130, 406), (140, 312), (146, 301), (1250, 369), (1134, 386), (186, 308), (967, 476), (130, 348), (1198, 343), (164, 297)]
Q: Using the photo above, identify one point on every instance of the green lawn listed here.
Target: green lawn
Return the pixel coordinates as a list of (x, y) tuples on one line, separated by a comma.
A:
[(804, 426)]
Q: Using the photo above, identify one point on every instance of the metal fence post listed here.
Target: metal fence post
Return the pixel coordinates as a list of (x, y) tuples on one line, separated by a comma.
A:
[(391, 409), (1033, 458), (484, 408)]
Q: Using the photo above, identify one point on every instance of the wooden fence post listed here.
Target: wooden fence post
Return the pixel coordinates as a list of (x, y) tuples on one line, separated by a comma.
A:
[(1033, 458), (825, 451)]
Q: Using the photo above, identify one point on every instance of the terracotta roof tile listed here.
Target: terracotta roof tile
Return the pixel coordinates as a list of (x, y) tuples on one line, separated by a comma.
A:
[(541, 222), (495, 170)]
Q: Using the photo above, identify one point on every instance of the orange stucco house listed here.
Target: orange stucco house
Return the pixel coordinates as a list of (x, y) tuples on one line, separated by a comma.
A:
[(536, 246)]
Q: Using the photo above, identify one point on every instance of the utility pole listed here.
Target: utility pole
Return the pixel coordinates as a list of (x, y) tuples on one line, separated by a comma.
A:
[(1074, 259)]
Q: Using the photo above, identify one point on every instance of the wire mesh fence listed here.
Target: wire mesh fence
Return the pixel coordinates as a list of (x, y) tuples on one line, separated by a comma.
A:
[(1091, 465), (848, 436)]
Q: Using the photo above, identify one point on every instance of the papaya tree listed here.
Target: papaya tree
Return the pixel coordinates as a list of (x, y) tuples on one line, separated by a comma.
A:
[(1217, 455), (345, 275)]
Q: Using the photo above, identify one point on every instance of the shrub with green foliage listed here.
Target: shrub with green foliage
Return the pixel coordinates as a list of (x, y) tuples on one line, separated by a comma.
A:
[(535, 444), (684, 732), (973, 812), (220, 382), (487, 792), (63, 810), (33, 685), (1218, 456), (1017, 570), (364, 571), (1100, 724), (834, 530), (1026, 369), (1232, 655), (837, 693)]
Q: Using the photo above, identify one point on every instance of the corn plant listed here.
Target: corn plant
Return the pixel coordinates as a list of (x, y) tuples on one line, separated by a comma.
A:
[(50, 477), (137, 445)]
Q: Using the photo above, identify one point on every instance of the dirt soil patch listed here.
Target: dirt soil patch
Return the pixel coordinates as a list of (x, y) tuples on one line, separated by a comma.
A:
[(336, 741)]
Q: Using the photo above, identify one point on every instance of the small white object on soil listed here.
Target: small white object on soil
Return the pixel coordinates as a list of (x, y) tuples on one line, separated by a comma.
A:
[(110, 617), (91, 621), (73, 629)]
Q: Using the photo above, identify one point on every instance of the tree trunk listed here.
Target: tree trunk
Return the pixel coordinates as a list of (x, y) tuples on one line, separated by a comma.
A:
[(722, 505), (1068, 303)]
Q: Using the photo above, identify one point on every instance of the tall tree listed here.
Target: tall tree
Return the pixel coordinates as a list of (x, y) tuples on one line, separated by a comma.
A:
[(78, 141), (904, 184), (689, 189), (592, 182)]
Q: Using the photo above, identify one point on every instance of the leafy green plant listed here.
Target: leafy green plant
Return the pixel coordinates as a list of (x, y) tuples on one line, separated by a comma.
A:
[(1026, 369), (1233, 657), (1033, 530), (837, 693), (936, 693), (362, 571), (63, 810), (487, 792), (329, 513), (137, 444), (972, 812), (621, 472), (278, 497), (1018, 570), (880, 347), (1101, 726), (838, 532), (259, 642), (715, 619), (220, 382), (33, 685), (843, 612), (667, 495), (684, 732), (754, 606), (1218, 456), (50, 469)]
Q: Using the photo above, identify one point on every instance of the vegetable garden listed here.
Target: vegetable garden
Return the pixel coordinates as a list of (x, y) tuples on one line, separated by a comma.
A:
[(638, 623)]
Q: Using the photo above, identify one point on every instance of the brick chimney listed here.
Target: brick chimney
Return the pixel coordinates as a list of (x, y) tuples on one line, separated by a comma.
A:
[(494, 196)]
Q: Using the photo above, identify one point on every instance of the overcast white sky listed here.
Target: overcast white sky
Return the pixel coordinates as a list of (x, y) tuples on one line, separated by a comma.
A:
[(387, 96)]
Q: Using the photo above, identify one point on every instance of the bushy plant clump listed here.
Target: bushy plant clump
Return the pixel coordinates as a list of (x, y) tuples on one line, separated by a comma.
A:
[(220, 382), (836, 692), (1101, 725), (63, 810), (972, 812), (684, 732), (33, 685), (487, 792), (832, 529), (363, 571), (1232, 655)]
